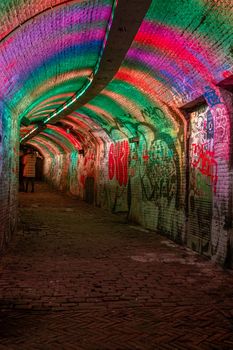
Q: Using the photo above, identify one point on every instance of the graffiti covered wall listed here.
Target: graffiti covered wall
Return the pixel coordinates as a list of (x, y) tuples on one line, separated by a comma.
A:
[(203, 177), (126, 148)]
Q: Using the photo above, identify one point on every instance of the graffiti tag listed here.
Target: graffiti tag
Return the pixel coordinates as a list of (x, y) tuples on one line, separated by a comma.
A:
[(203, 160), (118, 162)]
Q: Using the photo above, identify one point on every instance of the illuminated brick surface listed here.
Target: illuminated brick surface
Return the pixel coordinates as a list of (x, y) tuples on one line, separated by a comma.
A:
[(127, 149)]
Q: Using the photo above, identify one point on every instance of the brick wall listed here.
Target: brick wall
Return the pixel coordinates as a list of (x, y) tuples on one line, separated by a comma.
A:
[(166, 169), (145, 177), (8, 176)]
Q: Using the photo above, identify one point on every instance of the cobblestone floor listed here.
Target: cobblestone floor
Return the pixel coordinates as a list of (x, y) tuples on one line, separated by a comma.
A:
[(80, 278)]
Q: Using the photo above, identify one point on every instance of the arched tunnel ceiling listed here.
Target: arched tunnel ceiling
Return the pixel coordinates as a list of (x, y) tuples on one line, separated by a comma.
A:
[(53, 55), (49, 52)]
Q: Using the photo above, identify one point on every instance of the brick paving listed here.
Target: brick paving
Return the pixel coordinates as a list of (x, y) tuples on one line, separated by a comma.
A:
[(76, 277)]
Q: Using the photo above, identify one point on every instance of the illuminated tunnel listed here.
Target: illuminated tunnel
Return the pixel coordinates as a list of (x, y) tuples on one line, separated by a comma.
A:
[(133, 97)]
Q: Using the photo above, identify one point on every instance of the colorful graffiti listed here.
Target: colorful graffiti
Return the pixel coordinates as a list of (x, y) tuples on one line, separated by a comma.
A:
[(156, 116), (205, 162), (220, 122), (118, 162), (220, 102), (202, 155), (158, 172), (211, 97), (220, 118), (203, 177), (87, 165)]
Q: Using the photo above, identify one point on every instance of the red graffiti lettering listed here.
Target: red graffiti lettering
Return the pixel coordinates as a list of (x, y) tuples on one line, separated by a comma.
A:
[(118, 162), (204, 161), (145, 156)]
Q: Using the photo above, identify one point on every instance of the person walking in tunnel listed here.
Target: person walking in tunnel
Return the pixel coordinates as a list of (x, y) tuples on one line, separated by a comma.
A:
[(29, 171)]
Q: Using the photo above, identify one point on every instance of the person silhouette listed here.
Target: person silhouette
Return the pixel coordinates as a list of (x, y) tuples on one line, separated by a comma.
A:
[(29, 170)]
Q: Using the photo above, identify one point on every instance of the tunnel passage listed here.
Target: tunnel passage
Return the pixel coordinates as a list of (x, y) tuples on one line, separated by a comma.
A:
[(151, 137)]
